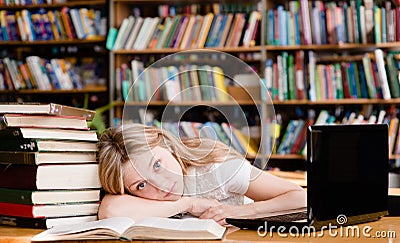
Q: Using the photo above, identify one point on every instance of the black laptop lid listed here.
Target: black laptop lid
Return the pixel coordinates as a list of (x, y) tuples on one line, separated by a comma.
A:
[(347, 172)]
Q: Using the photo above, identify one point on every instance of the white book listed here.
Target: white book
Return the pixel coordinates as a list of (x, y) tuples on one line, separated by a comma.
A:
[(133, 33), (63, 78), (76, 21), (363, 25), (127, 32), (149, 33), (382, 74), (121, 32), (38, 72), (127, 229), (142, 33)]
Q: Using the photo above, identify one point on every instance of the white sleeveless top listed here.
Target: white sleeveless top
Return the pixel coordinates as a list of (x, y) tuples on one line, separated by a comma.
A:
[(226, 182)]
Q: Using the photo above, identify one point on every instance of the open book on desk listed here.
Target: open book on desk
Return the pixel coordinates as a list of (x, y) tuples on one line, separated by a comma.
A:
[(126, 229)]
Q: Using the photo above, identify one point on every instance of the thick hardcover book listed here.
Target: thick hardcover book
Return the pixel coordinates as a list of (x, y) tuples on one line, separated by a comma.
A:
[(48, 211), (43, 133), (31, 197), (34, 145), (49, 177), (50, 109), (37, 158), (64, 122), (44, 223), (126, 229)]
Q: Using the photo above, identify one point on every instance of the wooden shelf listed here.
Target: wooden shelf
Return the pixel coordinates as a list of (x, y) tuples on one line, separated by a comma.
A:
[(363, 47), (56, 5), (93, 40), (94, 89), (339, 102), (174, 50), (188, 103)]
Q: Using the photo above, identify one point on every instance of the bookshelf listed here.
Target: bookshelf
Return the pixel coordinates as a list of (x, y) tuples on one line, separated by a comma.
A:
[(335, 41), (67, 39), (122, 53), (348, 31)]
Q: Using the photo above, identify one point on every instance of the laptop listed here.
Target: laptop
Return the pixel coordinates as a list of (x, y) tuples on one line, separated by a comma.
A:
[(347, 179)]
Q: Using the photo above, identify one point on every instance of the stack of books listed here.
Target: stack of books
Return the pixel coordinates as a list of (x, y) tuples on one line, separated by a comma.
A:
[(48, 166)]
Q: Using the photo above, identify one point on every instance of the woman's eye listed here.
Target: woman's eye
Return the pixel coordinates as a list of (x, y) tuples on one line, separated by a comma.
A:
[(141, 185), (156, 165)]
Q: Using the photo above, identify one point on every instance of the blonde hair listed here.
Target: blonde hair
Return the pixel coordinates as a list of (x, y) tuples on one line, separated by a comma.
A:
[(118, 144)]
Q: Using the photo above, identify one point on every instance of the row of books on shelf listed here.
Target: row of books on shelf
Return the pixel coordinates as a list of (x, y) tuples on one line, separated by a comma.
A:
[(41, 24), (48, 166), (29, 2), (374, 75), (292, 138), (172, 83), (335, 22), (238, 139), (186, 31), (165, 10), (38, 73)]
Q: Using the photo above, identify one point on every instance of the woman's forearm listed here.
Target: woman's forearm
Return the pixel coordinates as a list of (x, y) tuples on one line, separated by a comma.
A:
[(139, 208), (290, 200)]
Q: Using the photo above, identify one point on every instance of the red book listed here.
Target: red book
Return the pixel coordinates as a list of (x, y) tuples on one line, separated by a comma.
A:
[(345, 79), (47, 211)]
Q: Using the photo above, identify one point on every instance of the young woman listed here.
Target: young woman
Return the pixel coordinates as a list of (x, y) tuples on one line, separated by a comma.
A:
[(148, 172)]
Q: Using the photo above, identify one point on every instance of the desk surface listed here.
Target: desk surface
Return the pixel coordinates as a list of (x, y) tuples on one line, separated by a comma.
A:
[(387, 225)]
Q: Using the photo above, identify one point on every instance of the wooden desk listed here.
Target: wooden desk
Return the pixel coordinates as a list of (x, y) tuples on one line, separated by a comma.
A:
[(386, 224)]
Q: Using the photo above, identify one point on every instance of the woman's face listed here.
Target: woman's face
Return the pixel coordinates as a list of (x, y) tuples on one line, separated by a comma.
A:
[(155, 174)]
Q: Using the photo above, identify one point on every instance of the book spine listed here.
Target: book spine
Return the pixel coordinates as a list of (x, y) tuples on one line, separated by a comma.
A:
[(23, 222), (19, 210), (18, 176), (18, 158), (18, 145), (16, 196)]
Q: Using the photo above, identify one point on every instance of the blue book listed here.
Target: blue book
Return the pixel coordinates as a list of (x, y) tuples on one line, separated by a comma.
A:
[(383, 11), (297, 39), (363, 81), (352, 78), (282, 23), (345, 21), (323, 28), (270, 27), (216, 41)]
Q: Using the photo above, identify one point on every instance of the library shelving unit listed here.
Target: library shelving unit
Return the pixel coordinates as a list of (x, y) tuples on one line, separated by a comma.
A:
[(338, 36), (122, 54), (348, 67), (46, 30)]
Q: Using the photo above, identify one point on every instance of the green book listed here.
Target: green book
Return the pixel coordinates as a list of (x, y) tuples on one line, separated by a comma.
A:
[(291, 81), (111, 37), (357, 79), (339, 82), (171, 34), (392, 76)]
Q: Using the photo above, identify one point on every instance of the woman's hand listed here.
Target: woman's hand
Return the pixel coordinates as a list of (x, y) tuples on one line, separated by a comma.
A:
[(199, 205), (221, 212)]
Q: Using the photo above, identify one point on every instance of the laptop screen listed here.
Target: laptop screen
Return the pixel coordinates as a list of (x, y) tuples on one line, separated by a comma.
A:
[(347, 170)]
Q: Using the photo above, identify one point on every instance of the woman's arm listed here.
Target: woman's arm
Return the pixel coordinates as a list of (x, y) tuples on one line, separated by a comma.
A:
[(270, 194), (138, 208)]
